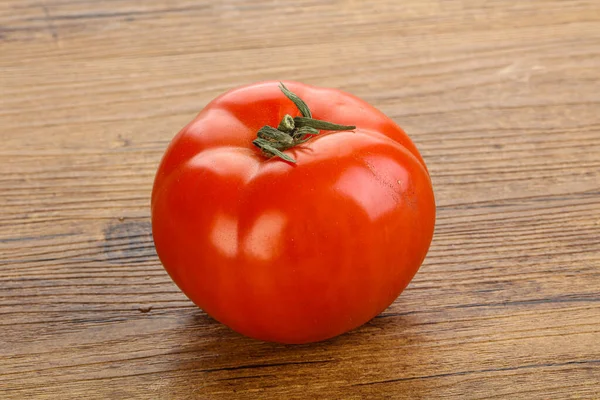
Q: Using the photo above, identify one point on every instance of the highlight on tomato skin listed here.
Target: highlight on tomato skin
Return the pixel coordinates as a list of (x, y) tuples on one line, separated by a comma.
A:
[(292, 213)]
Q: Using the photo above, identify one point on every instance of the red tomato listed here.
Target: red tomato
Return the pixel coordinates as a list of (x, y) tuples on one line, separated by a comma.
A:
[(292, 252)]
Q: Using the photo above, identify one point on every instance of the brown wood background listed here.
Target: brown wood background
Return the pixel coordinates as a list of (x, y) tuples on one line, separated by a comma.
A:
[(501, 97)]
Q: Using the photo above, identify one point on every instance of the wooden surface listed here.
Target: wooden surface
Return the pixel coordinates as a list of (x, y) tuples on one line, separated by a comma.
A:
[(501, 97)]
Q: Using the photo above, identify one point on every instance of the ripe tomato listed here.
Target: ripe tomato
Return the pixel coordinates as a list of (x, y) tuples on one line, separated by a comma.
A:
[(300, 250)]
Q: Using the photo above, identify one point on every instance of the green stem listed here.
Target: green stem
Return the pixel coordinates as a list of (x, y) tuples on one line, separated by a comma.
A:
[(292, 131)]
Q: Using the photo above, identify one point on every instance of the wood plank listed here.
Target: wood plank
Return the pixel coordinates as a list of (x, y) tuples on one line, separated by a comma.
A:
[(501, 98)]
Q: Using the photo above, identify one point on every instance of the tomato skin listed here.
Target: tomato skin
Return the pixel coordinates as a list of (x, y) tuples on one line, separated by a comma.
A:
[(292, 253)]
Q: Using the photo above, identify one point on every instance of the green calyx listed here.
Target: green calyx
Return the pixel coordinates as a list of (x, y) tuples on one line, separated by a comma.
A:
[(292, 131)]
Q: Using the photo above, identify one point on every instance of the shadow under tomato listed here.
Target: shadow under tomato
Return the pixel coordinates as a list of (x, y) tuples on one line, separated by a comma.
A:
[(375, 358)]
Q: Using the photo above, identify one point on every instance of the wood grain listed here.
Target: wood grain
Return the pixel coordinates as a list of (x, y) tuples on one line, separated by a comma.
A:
[(502, 98)]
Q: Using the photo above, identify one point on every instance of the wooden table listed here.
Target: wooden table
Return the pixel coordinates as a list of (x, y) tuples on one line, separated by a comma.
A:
[(501, 97)]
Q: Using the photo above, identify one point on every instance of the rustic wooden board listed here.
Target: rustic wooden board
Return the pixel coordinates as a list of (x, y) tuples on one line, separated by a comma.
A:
[(501, 97)]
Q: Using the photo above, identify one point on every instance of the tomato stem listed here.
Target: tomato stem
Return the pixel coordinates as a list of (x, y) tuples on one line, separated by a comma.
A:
[(292, 131)]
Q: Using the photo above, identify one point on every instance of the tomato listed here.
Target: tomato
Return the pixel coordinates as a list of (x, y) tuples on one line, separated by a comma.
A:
[(292, 242)]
